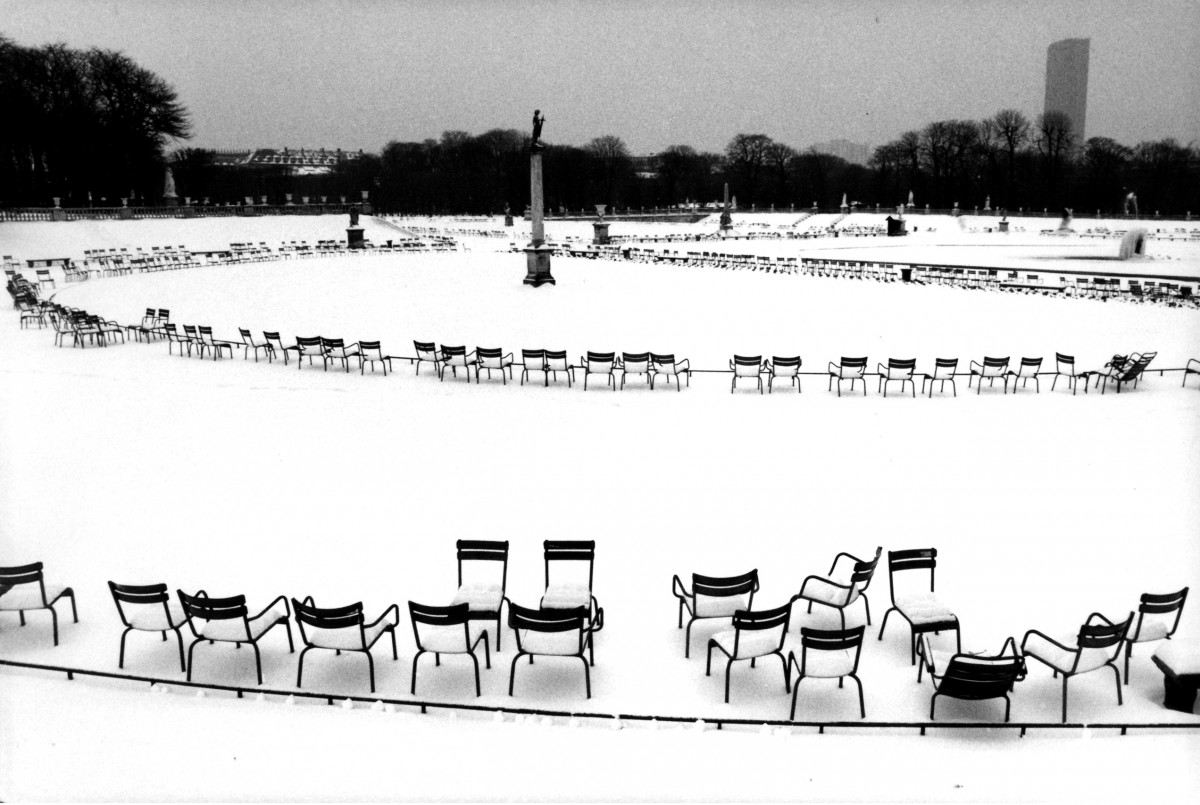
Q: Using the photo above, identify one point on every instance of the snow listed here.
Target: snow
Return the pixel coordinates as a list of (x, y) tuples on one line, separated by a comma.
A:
[(131, 465)]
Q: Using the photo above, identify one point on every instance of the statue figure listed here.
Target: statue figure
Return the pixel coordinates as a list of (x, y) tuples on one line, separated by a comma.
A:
[(538, 119), (354, 216)]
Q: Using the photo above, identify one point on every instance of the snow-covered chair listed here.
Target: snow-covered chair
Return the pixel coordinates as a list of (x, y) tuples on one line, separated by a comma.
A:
[(754, 635), (1097, 646), (852, 369), (1028, 370), (834, 655), (784, 367), (23, 589), (1157, 619), (943, 372), (898, 370), (427, 353), (992, 369), (599, 363), (213, 345), (551, 633), (371, 352), (533, 360), (919, 607), (336, 349), (483, 579), (1124, 370), (841, 588), (445, 630), (743, 366), (342, 629), (570, 566), (311, 348), (974, 677), (248, 343), (227, 620), (556, 361), (635, 363), (713, 597), (666, 366), (455, 358), (1064, 366), (275, 342), (148, 608), (491, 360)]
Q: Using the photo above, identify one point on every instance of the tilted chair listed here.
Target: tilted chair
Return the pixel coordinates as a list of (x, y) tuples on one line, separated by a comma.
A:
[(427, 353), (921, 609), (742, 366), (599, 363), (249, 344), (1028, 370), (493, 360), (277, 349), (227, 620), (841, 588), (483, 580), (336, 349), (1124, 370), (974, 677), (898, 370), (148, 608), (19, 594), (754, 635), (834, 655), (445, 630), (665, 365), (311, 348), (991, 369), (1097, 646), (852, 369), (1157, 619), (342, 629), (783, 367), (551, 633), (713, 597)]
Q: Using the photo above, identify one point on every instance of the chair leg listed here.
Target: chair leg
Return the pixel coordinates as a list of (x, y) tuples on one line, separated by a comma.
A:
[(370, 669), (300, 667), (795, 691), (587, 678), (883, 625), (413, 687), (54, 620), (862, 707), (687, 644), (475, 661), (1128, 652), (787, 682), (512, 675), (933, 706), (487, 654), (179, 640), (1117, 671), (124, 634), (190, 663), (257, 661), (728, 668), (1064, 714)]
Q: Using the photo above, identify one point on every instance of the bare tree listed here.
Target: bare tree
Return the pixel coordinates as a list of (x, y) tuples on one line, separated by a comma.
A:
[(1054, 138), (1011, 128)]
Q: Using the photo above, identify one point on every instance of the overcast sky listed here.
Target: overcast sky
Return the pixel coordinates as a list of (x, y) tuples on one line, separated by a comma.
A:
[(266, 73)]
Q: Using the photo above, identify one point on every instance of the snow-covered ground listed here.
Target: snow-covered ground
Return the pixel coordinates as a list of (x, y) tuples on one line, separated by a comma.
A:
[(131, 465)]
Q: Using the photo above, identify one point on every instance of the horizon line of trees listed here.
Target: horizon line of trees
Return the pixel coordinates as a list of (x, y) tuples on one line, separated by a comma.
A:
[(92, 127), (82, 125)]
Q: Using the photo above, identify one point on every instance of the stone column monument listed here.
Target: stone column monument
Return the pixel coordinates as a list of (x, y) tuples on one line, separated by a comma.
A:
[(537, 253), (726, 225), (600, 227), (354, 232)]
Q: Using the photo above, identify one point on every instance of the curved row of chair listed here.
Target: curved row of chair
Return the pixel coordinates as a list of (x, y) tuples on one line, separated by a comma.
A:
[(563, 624), (834, 653)]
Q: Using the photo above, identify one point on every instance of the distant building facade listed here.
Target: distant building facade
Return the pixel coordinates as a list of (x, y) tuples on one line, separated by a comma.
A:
[(304, 162), (1067, 82), (858, 153)]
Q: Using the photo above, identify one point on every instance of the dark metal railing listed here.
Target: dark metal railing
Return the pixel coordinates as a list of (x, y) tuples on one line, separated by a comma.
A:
[(618, 717)]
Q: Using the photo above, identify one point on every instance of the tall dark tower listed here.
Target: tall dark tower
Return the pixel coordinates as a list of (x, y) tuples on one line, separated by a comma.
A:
[(1067, 80)]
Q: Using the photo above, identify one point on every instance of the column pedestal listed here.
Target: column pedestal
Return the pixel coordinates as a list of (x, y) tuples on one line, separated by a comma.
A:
[(537, 261), (354, 237), (600, 233)]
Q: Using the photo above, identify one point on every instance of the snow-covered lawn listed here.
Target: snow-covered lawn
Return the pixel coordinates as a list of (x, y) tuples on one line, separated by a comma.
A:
[(131, 465)]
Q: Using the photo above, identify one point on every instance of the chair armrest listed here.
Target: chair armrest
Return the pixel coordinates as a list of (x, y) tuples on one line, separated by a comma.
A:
[(838, 558), (821, 579), (976, 368), (881, 369), (286, 606), (1103, 619), (1047, 638), (395, 621), (1193, 365), (677, 589), (508, 357), (308, 601), (683, 366), (834, 368)]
